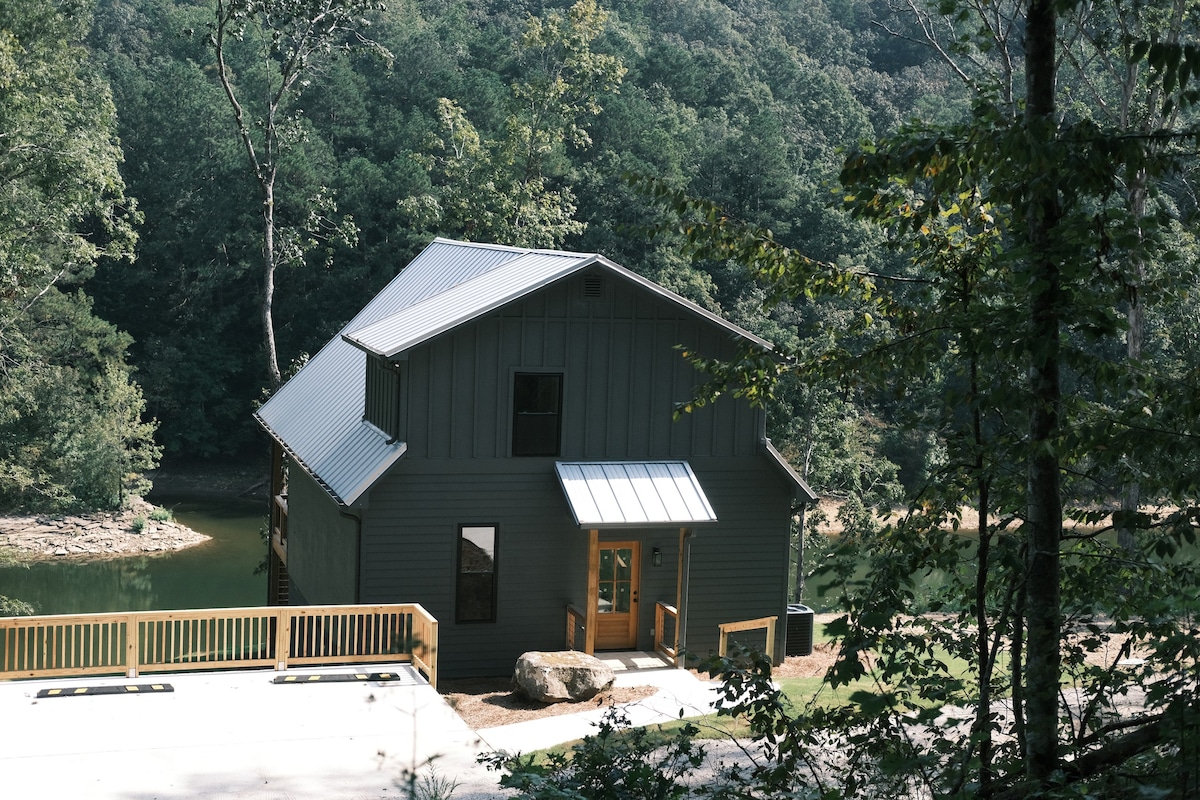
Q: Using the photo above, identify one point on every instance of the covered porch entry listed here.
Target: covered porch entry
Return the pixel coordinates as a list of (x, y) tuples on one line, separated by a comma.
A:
[(639, 518)]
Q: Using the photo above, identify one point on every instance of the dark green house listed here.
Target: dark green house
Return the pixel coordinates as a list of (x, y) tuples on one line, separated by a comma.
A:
[(492, 437)]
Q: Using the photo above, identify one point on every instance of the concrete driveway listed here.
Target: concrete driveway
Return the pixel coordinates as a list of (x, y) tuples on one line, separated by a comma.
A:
[(230, 735), (244, 736)]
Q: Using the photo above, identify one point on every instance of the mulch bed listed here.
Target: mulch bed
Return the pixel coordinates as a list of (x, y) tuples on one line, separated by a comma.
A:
[(491, 702)]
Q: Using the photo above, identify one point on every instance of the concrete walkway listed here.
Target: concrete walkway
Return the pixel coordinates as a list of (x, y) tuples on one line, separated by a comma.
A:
[(242, 736)]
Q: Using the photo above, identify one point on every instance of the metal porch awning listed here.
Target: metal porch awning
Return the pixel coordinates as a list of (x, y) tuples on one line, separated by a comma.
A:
[(625, 494)]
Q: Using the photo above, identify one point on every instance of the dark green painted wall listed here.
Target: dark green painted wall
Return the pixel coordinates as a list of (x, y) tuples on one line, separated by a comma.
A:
[(622, 377), (323, 550)]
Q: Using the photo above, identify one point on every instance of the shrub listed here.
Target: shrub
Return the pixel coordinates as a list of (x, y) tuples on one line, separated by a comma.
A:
[(618, 763)]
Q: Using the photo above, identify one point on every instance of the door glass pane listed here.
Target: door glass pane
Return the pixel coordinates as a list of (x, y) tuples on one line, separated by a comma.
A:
[(624, 559), (622, 601), (615, 580), (606, 598), (606, 565)]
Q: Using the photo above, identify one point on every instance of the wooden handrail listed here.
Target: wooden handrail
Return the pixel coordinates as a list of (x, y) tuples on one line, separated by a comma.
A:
[(667, 645), (219, 638), (575, 618), (727, 628)]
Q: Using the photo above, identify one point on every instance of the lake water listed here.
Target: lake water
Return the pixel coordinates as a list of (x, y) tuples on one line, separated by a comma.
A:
[(216, 574)]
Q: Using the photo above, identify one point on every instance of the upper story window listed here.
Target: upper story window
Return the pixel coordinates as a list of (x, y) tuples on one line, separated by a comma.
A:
[(382, 406), (537, 413)]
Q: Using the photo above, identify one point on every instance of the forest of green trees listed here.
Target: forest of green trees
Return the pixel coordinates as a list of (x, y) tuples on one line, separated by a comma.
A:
[(968, 225), (505, 122)]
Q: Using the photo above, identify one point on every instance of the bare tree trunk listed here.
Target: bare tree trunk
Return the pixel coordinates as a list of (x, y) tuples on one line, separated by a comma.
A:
[(268, 292), (264, 174), (983, 709), (1131, 491), (799, 595), (1044, 523)]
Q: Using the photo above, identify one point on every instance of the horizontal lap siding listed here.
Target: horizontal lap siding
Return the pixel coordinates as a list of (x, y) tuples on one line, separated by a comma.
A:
[(409, 552), (740, 565), (322, 548)]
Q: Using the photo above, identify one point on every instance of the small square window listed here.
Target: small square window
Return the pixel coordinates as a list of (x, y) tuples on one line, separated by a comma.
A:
[(537, 414)]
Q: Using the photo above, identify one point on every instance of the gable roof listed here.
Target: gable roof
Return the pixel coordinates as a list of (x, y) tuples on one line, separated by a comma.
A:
[(317, 416), (526, 272)]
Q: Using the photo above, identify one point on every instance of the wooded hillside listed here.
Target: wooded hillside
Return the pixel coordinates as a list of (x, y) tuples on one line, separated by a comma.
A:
[(968, 226)]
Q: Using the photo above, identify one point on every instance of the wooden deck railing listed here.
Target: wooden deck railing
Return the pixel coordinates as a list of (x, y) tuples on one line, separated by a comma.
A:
[(727, 628), (219, 638), (666, 641)]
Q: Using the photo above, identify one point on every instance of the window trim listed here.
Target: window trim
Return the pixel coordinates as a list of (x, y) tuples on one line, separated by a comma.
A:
[(518, 372), (458, 572)]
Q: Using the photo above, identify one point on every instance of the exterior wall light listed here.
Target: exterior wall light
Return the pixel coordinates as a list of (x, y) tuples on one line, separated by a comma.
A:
[(656, 557)]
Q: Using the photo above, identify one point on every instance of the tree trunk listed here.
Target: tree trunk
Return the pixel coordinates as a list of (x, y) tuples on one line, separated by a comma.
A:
[(799, 596), (983, 710), (1044, 524), (268, 292), (1131, 491)]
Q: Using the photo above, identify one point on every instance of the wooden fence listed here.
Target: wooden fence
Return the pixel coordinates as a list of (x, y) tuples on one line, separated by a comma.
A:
[(277, 637)]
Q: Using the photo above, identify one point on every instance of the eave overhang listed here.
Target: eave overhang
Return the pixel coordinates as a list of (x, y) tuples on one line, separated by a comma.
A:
[(633, 494)]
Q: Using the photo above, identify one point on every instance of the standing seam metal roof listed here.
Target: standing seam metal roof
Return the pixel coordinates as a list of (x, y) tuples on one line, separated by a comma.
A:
[(447, 310), (317, 416), (615, 494)]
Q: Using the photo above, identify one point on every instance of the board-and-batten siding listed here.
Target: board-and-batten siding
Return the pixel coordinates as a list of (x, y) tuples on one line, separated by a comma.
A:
[(622, 379)]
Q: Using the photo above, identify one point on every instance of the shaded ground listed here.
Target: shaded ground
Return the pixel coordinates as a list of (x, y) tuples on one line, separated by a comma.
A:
[(207, 479)]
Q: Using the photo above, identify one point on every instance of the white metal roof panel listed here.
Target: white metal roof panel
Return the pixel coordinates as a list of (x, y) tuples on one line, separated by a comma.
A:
[(611, 494), (318, 414), (464, 301)]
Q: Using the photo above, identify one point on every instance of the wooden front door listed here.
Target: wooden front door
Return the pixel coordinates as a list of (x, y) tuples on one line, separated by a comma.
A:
[(617, 595)]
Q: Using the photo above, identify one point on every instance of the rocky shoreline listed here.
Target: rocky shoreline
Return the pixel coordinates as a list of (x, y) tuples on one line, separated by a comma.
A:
[(128, 532), (133, 531)]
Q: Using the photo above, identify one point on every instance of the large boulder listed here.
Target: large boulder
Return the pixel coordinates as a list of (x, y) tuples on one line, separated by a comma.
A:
[(567, 676)]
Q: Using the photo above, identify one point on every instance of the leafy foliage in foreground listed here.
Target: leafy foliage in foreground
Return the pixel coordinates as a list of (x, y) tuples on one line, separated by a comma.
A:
[(617, 763), (1002, 339), (904, 729)]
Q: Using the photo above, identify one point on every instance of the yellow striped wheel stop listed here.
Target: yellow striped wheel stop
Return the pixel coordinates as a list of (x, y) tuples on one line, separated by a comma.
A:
[(341, 677), (90, 691)]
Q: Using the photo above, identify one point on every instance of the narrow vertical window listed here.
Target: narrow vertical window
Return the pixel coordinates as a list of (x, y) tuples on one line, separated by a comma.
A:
[(475, 590), (537, 414)]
